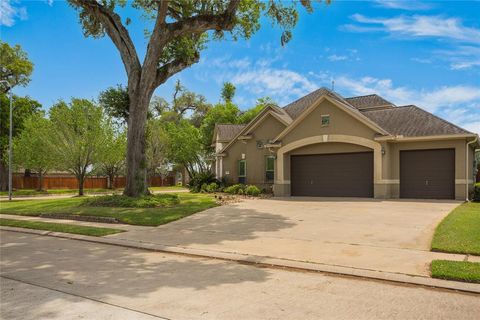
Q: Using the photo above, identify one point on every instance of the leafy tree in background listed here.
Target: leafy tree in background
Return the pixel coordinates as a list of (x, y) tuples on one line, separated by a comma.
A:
[(32, 149), (111, 153), (114, 101), (156, 150), (24, 107), (15, 67), (228, 92), (184, 146), (248, 115), (220, 113), (77, 137), (179, 32)]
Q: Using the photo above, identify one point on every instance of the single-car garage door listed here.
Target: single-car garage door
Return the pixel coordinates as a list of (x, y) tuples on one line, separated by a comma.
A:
[(427, 174), (332, 175)]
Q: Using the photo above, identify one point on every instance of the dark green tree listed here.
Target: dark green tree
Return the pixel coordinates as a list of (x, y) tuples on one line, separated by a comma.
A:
[(228, 91)]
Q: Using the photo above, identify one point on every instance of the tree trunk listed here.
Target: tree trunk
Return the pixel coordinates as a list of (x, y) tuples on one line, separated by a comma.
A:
[(80, 180), (136, 170), (111, 176), (3, 174), (40, 181)]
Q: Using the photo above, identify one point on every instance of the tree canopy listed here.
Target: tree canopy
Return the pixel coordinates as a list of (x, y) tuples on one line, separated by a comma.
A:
[(15, 67), (177, 31)]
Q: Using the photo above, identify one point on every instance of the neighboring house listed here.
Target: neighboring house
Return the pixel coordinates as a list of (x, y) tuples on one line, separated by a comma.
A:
[(329, 146)]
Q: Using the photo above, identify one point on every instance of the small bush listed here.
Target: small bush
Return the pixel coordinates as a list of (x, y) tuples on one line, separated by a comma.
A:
[(212, 187), (252, 190), (235, 189), (200, 179), (150, 201), (476, 192)]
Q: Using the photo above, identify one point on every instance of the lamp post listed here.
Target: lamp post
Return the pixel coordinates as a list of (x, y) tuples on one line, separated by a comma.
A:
[(10, 142)]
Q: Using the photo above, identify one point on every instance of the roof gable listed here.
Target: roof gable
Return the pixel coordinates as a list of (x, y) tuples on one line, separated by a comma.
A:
[(336, 102), (272, 110), (226, 132)]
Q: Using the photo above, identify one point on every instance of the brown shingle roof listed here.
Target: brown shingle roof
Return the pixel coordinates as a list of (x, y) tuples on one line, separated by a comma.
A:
[(295, 108), (369, 101), (227, 132), (411, 121)]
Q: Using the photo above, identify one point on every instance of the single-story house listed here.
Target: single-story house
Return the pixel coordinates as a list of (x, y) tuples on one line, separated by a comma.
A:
[(328, 146)]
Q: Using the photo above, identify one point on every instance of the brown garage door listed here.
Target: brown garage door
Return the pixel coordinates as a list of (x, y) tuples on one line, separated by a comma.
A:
[(427, 174), (332, 175)]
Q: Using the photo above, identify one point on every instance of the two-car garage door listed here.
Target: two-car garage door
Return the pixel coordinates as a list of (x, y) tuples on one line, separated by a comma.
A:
[(332, 175), (424, 174)]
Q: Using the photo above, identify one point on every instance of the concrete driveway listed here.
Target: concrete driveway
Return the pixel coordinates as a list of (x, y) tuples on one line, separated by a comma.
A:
[(389, 236)]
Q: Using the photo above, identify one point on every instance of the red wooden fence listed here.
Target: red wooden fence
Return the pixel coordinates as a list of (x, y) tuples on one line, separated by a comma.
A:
[(22, 182)]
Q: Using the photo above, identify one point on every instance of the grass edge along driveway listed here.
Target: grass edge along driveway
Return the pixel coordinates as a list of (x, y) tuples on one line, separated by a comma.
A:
[(459, 232), (59, 227), (189, 204)]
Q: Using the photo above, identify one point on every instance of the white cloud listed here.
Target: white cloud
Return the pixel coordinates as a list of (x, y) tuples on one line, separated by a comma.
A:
[(417, 26), (49, 2), (281, 84), (402, 4), (335, 57), (458, 104), (422, 60), (461, 58), (10, 12)]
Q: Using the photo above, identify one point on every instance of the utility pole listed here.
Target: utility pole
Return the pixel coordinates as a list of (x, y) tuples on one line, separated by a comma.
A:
[(10, 131)]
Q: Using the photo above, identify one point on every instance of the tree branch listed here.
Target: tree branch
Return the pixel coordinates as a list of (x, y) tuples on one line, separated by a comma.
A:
[(204, 22), (171, 68), (155, 44), (115, 30)]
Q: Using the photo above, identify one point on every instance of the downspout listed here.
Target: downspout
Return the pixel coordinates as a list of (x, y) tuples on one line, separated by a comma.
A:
[(466, 166)]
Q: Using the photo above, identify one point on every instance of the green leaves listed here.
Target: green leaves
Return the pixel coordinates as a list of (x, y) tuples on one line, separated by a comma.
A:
[(15, 66)]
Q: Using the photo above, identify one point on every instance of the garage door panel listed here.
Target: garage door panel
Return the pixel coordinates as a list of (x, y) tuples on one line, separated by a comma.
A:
[(427, 174), (332, 175)]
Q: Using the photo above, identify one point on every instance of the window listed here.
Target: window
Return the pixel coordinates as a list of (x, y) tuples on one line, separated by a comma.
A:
[(325, 120), (242, 171), (269, 168)]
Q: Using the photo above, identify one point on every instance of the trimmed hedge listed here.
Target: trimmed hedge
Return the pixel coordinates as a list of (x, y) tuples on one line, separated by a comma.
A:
[(476, 192)]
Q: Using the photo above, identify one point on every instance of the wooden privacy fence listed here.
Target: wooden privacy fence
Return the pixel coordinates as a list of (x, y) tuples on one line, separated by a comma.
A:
[(22, 182)]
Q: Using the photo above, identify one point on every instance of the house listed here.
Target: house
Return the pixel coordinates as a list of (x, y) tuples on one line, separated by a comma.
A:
[(328, 146)]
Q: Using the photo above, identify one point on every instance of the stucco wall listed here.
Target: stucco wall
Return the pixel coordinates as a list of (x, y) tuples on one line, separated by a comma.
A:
[(340, 123), (269, 128)]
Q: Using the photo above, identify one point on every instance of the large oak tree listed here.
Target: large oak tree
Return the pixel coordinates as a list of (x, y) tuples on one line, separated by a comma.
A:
[(180, 29)]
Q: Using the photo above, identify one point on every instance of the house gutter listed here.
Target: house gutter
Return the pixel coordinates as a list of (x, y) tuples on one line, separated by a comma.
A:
[(466, 166)]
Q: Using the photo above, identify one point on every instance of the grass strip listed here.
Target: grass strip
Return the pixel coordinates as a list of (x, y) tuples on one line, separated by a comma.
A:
[(59, 227)]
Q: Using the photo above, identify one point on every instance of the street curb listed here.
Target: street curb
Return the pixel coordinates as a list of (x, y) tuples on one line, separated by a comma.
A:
[(269, 262)]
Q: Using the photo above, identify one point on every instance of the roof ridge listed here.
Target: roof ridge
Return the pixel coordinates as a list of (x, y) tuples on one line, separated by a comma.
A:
[(366, 95), (441, 119), (324, 88)]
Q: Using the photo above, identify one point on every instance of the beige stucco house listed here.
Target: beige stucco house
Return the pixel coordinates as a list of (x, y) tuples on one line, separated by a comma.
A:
[(329, 146)]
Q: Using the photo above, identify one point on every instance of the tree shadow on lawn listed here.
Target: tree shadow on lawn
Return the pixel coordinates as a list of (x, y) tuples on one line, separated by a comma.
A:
[(128, 277)]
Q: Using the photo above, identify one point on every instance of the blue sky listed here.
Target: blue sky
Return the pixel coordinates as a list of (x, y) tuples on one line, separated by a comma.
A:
[(410, 52)]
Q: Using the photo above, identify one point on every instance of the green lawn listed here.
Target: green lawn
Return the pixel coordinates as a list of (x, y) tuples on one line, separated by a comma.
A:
[(59, 227), (32, 192), (189, 204), (456, 270), (459, 232)]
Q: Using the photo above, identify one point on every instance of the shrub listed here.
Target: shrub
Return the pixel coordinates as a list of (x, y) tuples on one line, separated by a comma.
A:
[(200, 179), (212, 187), (235, 189), (252, 190), (476, 192), (150, 201)]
